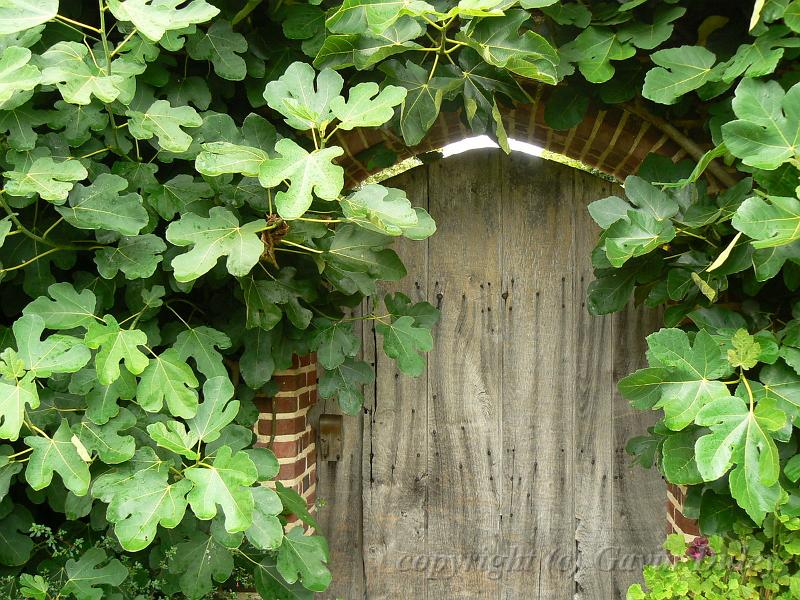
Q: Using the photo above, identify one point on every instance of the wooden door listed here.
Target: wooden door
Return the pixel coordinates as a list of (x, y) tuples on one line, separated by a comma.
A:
[(501, 472)]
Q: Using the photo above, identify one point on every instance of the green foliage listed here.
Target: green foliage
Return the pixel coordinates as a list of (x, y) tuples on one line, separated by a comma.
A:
[(164, 231), (745, 564), (175, 214)]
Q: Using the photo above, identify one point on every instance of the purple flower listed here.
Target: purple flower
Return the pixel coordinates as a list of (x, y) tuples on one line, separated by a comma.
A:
[(699, 549)]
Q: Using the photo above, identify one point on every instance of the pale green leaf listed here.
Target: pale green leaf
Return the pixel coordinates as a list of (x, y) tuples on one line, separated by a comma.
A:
[(102, 206), (68, 308), (165, 122), (153, 18), (308, 174), (116, 345), (50, 179), (57, 454), (168, 378), (212, 237), (679, 71), (16, 74), (227, 483)]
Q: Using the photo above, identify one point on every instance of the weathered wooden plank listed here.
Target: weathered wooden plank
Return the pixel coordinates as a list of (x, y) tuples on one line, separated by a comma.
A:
[(639, 495), (538, 377), (395, 444), (594, 403), (339, 489), (464, 415)]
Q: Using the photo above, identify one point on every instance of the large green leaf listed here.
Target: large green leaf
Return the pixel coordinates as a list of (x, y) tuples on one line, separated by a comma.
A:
[(77, 121), (306, 172), (169, 378), (741, 436), (111, 447), (116, 345), (218, 158), (101, 206), (375, 207), (50, 179), (153, 18), (266, 532), (423, 98), (201, 343), (498, 41), (359, 16), (15, 395), (16, 75), (303, 557), (135, 256), (221, 45), (682, 378), (173, 436), (216, 411), (367, 105), (261, 297), (225, 482), (9, 469), (334, 342), (199, 562), (593, 50), (68, 308), (181, 194), (57, 454), (86, 579), (679, 71), (16, 544), (636, 234), (356, 249), (73, 70), (766, 132), (212, 237), (678, 460), (770, 224), (404, 340), (56, 354), (304, 105), (271, 584), (345, 383), (141, 498), (165, 122), (19, 15)]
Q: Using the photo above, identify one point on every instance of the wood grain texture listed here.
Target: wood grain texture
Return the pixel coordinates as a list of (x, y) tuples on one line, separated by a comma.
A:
[(593, 413), (638, 494), (395, 443), (538, 377), (465, 374), (500, 473)]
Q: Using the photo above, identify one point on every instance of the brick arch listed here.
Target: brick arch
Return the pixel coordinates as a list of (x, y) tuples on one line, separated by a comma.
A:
[(611, 140)]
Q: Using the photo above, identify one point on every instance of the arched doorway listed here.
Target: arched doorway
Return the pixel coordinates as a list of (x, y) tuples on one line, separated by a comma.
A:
[(501, 472)]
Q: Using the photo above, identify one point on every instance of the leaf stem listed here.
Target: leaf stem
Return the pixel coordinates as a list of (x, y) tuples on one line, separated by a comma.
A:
[(30, 260), (75, 23), (320, 220), (302, 247), (20, 453), (747, 386), (122, 43), (53, 226)]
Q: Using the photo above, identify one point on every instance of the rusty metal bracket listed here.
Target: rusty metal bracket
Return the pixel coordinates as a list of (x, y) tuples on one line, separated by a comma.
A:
[(330, 437)]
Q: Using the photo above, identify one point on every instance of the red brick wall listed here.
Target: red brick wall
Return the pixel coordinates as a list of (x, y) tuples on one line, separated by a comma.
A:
[(676, 521), (291, 436)]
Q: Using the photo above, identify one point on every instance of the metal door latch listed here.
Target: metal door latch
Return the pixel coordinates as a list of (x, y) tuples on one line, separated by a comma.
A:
[(330, 437)]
